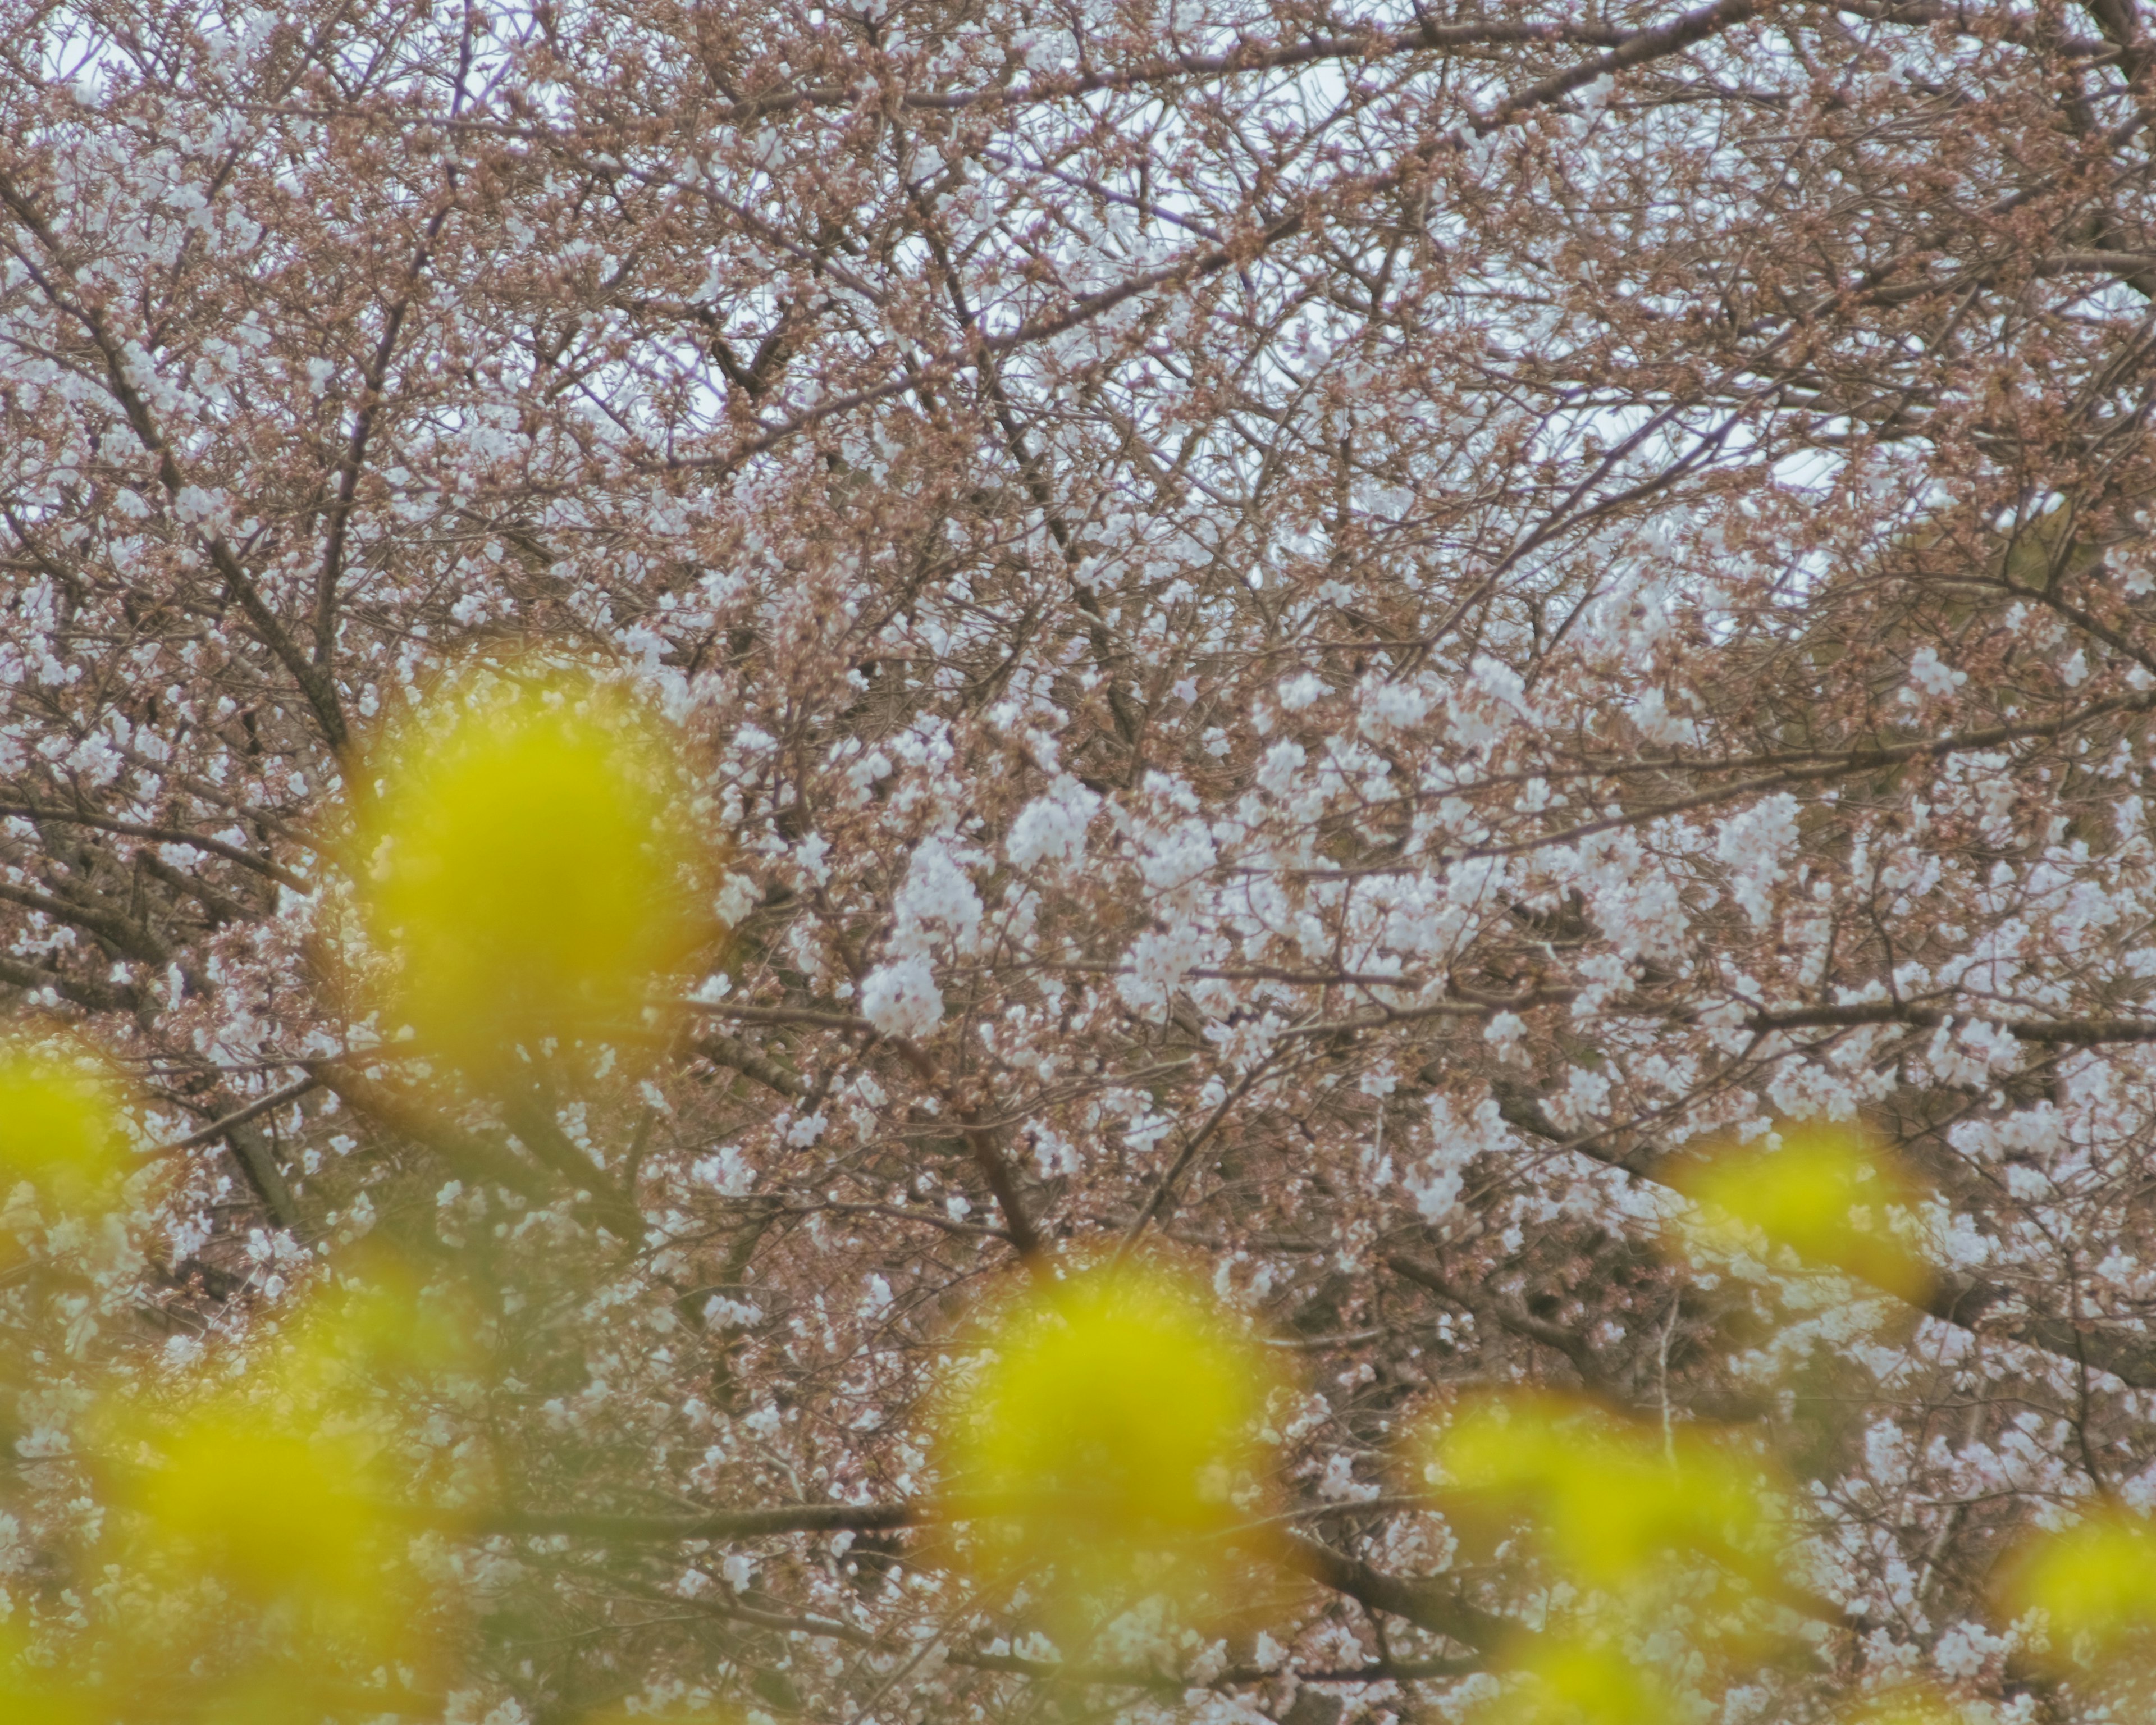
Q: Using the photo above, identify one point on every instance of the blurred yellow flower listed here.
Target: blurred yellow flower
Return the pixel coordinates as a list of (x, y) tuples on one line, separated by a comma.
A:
[(32, 1697), (378, 1339), (1570, 1682), (1822, 1194), (1611, 1503), (267, 1529), (288, 1689), (621, 1716), (2094, 1582), (528, 863), (377, 1326), (44, 1706), (284, 1521), (60, 1130), (1113, 1420), (1907, 1706)]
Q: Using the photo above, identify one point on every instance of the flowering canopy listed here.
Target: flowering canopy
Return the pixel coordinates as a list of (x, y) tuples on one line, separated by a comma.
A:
[(1482, 672)]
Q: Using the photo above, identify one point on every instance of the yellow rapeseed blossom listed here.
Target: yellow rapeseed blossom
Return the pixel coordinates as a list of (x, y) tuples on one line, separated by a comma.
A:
[(2095, 1582), (60, 1131), (1906, 1707), (620, 1716), (32, 1697), (1822, 1194), (1563, 1681), (1612, 1503), (1098, 1451), (1636, 1530), (378, 1326), (380, 1338), (290, 1688), (284, 1521), (269, 1527), (44, 1705), (528, 863)]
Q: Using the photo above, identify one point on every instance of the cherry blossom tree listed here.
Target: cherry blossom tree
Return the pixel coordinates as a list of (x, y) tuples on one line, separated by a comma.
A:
[(1367, 655)]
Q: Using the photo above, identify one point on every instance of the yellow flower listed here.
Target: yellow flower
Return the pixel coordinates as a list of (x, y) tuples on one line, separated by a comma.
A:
[(528, 863), (378, 1340), (60, 1130), (1100, 1447), (376, 1327), (270, 1528), (1568, 1682), (1821, 1195), (286, 1522), (33, 1697), (1612, 1503), (2095, 1582), (272, 1515), (292, 1688), (619, 1716), (1907, 1706)]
